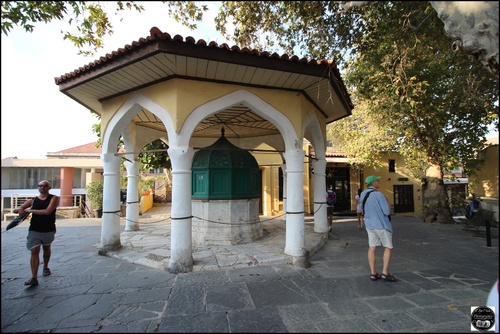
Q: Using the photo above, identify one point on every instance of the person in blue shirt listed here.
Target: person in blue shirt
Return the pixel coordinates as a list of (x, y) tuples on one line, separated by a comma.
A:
[(378, 227), (473, 207)]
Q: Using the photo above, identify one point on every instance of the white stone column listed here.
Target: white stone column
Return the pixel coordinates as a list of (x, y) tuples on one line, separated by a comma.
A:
[(319, 179), (294, 244), (181, 254), (132, 209), (110, 231)]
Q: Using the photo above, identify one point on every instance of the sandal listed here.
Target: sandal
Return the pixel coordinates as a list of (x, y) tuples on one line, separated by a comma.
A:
[(374, 277), (389, 278), (31, 281), (46, 272)]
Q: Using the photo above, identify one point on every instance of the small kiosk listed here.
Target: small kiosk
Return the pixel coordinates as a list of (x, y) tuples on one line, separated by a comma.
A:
[(226, 188)]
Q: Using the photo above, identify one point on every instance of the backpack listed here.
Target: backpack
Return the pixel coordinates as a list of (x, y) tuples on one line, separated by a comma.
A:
[(330, 200), (364, 201)]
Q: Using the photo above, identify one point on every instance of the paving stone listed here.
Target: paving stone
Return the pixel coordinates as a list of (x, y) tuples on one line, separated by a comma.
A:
[(442, 272)]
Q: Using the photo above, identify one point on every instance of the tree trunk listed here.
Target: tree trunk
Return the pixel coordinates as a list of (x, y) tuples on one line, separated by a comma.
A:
[(436, 208)]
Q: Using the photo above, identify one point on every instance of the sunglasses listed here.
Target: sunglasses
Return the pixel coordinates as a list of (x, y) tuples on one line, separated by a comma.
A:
[(43, 186)]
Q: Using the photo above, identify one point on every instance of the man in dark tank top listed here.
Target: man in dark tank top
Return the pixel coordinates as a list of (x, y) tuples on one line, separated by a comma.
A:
[(42, 228)]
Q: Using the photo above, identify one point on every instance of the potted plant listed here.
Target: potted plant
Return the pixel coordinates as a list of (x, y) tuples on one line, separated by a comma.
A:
[(146, 185), (95, 196)]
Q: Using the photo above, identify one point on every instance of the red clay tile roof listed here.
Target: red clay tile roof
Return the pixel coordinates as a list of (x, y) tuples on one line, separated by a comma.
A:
[(157, 35), (87, 148)]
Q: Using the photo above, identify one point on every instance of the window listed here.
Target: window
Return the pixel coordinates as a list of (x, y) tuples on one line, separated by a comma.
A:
[(392, 166), (28, 177)]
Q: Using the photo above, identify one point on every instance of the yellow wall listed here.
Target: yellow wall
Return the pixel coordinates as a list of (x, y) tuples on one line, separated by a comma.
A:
[(146, 203), (388, 180), (308, 182), (180, 97), (269, 163), (487, 185), (356, 183)]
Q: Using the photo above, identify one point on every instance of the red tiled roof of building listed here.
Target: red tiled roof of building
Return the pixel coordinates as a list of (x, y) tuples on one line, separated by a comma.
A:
[(86, 148)]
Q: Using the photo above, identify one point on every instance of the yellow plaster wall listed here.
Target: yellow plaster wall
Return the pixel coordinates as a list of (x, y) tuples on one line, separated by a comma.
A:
[(308, 182), (388, 181), (307, 107), (180, 97), (145, 203), (163, 93), (487, 176), (269, 163), (354, 179)]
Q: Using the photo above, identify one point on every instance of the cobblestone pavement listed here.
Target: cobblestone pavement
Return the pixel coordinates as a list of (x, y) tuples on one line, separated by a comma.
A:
[(443, 271)]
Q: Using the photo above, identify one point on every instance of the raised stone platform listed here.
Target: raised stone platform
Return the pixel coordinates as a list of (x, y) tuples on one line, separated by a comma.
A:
[(222, 222)]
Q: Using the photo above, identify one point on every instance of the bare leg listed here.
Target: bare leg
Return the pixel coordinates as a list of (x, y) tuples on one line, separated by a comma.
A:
[(387, 260), (46, 256), (371, 259), (35, 261)]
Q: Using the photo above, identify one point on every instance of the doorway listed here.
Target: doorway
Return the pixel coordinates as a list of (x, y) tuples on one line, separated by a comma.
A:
[(403, 199), (339, 179)]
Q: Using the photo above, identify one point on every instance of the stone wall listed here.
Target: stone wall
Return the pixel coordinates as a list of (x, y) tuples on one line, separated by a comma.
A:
[(226, 222), (68, 212)]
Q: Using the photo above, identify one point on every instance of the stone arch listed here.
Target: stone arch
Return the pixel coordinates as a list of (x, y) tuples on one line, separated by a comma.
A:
[(312, 130), (118, 124), (121, 124), (259, 106)]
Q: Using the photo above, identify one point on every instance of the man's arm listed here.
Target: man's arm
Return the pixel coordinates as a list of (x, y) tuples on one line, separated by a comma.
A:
[(22, 209), (384, 204), (54, 202)]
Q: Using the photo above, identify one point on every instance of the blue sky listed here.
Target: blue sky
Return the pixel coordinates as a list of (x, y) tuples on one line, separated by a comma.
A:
[(36, 117)]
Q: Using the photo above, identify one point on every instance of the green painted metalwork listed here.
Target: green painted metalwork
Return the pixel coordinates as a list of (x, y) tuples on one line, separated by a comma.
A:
[(225, 171)]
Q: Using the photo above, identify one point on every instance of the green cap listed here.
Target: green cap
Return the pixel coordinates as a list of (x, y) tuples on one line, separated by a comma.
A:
[(369, 180)]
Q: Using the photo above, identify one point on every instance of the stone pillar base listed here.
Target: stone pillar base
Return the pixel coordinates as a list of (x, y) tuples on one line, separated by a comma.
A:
[(226, 222)]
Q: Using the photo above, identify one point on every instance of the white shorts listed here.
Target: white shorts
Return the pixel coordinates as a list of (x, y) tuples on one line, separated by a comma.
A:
[(379, 237)]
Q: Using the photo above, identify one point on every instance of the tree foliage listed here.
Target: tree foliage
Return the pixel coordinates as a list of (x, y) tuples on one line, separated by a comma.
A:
[(413, 94), (432, 105), (154, 155), (89, 19), (471, 26), (95, 191)]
